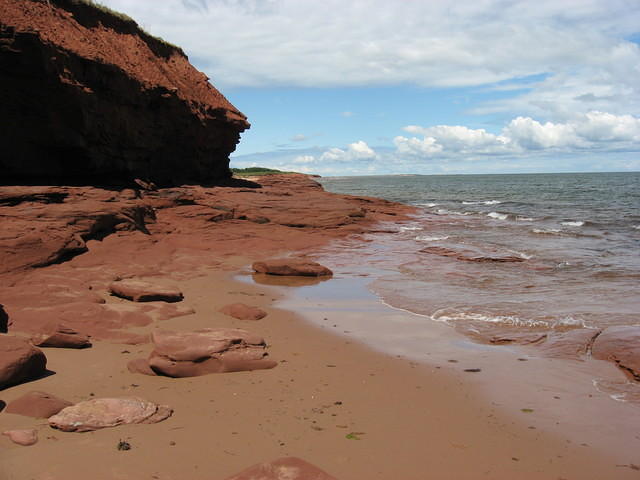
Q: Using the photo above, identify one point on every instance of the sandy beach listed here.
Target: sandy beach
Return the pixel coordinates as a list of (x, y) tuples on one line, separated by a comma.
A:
[(352, 411)]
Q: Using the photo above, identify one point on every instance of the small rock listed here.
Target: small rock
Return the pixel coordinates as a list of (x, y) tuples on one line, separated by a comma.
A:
[(243, 312), (26, 437), (108, 412), (37, 405), (139, 291), (124, 445), (292, 266), (61, 336)]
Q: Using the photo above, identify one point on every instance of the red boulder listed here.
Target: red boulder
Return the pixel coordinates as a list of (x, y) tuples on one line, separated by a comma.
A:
[(292, 266), (19, 361)]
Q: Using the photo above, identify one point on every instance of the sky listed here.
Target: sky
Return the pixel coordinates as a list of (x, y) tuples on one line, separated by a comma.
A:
[(351, 87)]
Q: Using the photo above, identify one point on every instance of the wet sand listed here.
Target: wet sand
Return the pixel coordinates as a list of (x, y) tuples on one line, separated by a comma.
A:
[(354, 412)]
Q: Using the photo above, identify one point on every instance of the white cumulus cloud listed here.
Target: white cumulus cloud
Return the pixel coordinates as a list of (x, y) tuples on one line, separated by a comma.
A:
[(355, 151), (597, 131), (577, 48)]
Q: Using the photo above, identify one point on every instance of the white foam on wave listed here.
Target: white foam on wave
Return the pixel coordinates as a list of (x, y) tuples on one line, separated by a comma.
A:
[(430, 205), (637, 227), (548, 231), (506, 320), (525, 219), (442, 211), (498, 216), (573, 223), (409, 228), (431, 239), (526, 256), (482, 202)]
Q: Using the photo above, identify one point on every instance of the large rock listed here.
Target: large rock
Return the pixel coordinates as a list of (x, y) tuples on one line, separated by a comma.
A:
[(108, 412), (37, 405), (212, 350), (621, 345), (92, 98), (139, 291), (61, 336), (287, 468), (25, 437), (291, 266), (242, 311), (19, 361)]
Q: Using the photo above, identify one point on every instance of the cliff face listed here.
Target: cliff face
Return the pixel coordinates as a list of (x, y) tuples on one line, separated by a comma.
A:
[(87, 97)]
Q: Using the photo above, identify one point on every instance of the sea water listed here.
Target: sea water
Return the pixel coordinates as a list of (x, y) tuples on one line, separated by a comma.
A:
[(523, 252)]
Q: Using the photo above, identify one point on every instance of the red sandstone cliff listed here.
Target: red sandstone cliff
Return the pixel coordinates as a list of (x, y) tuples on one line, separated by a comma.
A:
[(87, 97)]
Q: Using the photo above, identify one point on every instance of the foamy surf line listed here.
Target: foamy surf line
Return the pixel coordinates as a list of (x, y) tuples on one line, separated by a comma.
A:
[(481, 202)]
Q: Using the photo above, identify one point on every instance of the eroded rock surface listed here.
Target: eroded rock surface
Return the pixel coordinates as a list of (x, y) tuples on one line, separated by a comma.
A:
[(108, 412), (291, 266), (172, 233), (24, 437), (93, 99), (19, 361), (139, 291), (242, 311), (621, 345), (37, 405), (212, 350), (287, 468)]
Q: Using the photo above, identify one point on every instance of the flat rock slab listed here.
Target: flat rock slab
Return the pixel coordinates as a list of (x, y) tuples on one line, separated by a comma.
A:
[(108, 412), (37, 405), (139, 291), (212, 350), (26, 437), (470, 256), (572, 344), (242, 311), (19, 361), (287, 468), (292, 267), (621, 345), (61, 336)]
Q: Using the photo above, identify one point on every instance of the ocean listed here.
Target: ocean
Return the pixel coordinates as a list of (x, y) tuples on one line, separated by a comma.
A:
[(497, 254)]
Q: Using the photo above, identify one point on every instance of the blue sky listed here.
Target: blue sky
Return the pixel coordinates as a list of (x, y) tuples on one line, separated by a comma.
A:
[(417, 86)]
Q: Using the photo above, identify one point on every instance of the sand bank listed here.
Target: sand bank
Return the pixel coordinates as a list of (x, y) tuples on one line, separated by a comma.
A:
[(352, 411)]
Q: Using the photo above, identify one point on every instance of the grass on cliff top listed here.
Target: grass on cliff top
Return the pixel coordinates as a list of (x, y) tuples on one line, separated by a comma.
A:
[(107, 10), (126, 18), (255, 171)]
